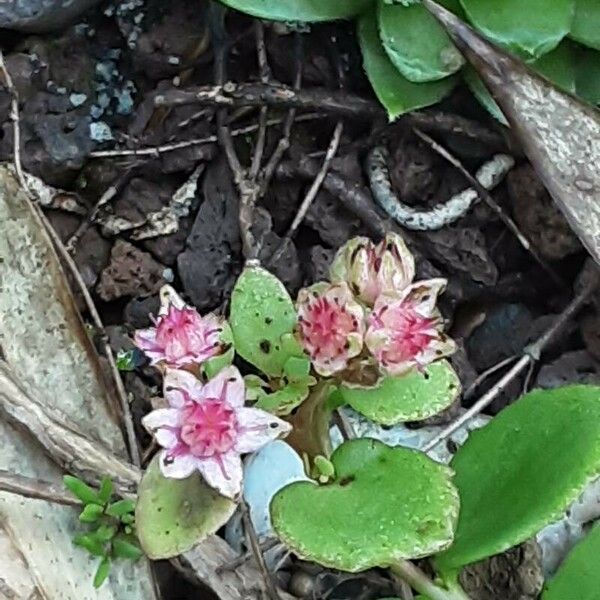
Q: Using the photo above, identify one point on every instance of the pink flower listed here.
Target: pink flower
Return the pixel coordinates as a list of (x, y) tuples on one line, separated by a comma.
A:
[(330, 326), (180, 335), (407, 332), (371, 270), (207, 428)]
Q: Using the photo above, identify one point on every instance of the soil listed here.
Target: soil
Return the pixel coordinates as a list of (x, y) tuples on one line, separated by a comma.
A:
[(172, 215)]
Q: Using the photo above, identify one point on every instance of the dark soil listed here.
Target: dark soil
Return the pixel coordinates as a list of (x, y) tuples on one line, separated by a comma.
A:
[(92, 87)]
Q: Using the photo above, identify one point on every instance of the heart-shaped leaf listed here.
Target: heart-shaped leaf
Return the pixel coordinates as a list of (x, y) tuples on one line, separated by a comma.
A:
[(530, 28), (523, 470), (300, 10), (173, 515), (397, 94), (413, 397), (579, 575), (558, 66), (384, 504), (415, 42), (262, 320), (586, 23)]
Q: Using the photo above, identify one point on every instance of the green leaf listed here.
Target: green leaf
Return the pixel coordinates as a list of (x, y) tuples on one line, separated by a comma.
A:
[(284, 401), (102, 572), (416, 43), (523, 470), (579, 573), (530, 28), (297, 368), (172, 515), (78, 488), (126, 547), (91, 513), (213, 365), (586, 23), (587, 66), (262, 319), (558, 66), (397, 94), (121, 507), (413, 397), (300, 10), (91, 542), (104, 533), (106, 489), (385, 504)]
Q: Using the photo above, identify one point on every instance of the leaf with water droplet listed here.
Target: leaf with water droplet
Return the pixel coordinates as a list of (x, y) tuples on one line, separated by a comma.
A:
[(415, 43), (262, 320), (384, 504), (522, 471), (412, 397), (173, 515)]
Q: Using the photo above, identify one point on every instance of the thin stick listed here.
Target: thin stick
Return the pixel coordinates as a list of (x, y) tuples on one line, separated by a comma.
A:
[(257, 551), (35, 488), (62, 251), (489, 200), (487, 373), (531, 354), (243, 558), (312, 192)]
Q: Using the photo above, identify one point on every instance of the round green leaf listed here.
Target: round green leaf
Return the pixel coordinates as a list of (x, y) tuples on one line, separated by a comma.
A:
[(300, 10), (413, 397), (523, 470), (558, 66), (530, 28), (416, 43), (397, 94), (385, 504), (262, 320), (579, 574), (172, 515), (587, 65), (586, 23)]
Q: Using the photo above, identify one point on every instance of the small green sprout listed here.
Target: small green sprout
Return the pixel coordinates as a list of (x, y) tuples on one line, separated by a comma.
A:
[(111, 533), (125, 360)]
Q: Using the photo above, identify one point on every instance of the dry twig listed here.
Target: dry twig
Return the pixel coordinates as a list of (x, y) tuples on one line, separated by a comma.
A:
[(35, 488)]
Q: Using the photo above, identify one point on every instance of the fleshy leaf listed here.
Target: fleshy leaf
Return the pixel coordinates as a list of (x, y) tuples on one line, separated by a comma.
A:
[(523, 470), (586, 23), (173, 515), (120, 508), (587, 65), (579, 573), (126, 547), (262, 313), (105, 492), (530, 28), (91, 513), (213, 365), (415, 43), (397, 94), (80, 489), (102, 572), (385, 504), (412, 397), (90, 542), (300, 10)]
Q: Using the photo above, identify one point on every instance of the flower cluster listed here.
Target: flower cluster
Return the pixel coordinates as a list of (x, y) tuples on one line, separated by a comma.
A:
[(372, 306), (206, 426)]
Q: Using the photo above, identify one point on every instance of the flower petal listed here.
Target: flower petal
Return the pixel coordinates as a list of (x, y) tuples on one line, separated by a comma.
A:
[(161, 417), (257, 428), (228, 385), (169, 297), (424, 294), (179, 386), (223, 472), (178, 467)]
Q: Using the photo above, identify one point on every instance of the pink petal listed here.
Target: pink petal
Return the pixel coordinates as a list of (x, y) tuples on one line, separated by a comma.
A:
[(179, 467), (227, 385), (163, 424), (223, 472), (180, 386), (257, 428)]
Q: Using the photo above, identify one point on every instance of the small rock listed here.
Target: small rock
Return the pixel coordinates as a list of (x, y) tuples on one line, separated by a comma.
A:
[(131, 272), (568, 369), (320, 259), (138, 310), (334, 224), (41, 15)]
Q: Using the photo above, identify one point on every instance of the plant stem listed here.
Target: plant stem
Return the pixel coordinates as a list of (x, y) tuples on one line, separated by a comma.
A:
[(420, 582)]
